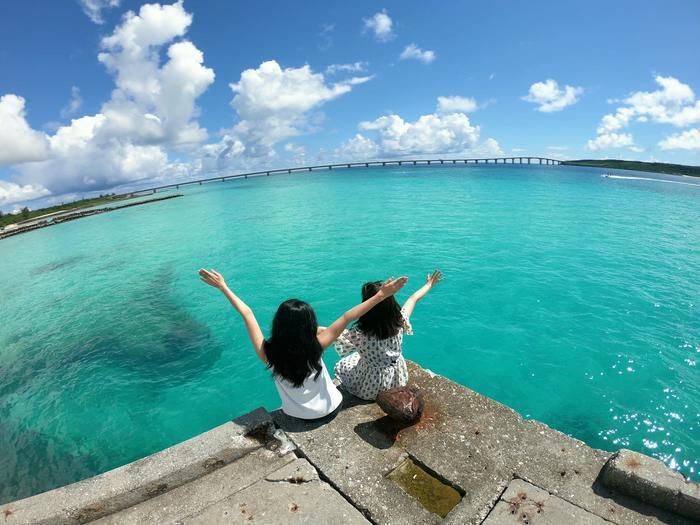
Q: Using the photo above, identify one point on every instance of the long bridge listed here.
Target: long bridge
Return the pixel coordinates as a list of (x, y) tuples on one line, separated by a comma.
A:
[(345, 165)]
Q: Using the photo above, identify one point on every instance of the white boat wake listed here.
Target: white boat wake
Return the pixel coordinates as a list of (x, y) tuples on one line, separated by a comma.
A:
[(649, 179)]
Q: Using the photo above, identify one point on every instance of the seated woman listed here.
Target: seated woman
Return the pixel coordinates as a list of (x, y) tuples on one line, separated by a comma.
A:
[(293, 350), (376, 339)]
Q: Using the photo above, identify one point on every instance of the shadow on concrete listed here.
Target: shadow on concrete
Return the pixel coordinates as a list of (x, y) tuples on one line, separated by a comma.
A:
[(638, 506), (380, 433)]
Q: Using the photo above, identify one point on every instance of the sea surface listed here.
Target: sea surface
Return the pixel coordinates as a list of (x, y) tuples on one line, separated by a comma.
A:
[(573, 298)]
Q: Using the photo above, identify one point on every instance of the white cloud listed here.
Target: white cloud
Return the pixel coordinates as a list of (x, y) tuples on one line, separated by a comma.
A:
[(674, 103), (456, 104), (355, 67), (74, 104), (151, 110), (381, 25), (11, 193), (412, 51), (18, 141), (428, 135), (359, 147), (94, 8), (550, 97), (689, 139), (611, 140), (273, 104)]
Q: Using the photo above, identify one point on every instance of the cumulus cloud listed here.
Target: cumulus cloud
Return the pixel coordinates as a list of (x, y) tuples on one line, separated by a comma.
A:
[(413, 52), (429, 134), (674, 103), (611, 140), (18, 141), (152, 109), (688, 140), (11, 193), (274, 104), (74, 104), (381, 25), (456, 104), (550, 97), (94, 8)]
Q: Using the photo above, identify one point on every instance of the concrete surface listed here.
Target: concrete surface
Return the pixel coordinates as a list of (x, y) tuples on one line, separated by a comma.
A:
[(525, 504), (649, 480), (265, 468), (131, 484), (293, 494), (468, 440)]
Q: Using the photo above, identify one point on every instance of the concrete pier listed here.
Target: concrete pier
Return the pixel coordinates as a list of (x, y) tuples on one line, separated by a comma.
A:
[(269, 468)]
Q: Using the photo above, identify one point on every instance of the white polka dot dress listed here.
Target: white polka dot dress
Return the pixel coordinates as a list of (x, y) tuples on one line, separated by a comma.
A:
[(374, 364)]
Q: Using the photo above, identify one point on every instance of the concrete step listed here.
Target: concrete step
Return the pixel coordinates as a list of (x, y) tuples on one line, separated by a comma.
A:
[(525, 504), (291, 495), (200, 493)]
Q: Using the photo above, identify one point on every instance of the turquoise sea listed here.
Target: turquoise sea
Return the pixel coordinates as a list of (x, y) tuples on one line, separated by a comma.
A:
[(572, 298)]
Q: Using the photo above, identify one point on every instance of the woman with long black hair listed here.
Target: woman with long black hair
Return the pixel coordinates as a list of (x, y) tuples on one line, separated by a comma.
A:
[(293, 350)]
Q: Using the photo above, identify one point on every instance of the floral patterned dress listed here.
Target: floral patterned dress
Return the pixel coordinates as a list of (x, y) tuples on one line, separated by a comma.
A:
[(374, 364)]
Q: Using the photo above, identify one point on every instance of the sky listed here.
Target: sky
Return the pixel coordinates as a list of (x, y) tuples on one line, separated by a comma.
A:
[(109, 95)]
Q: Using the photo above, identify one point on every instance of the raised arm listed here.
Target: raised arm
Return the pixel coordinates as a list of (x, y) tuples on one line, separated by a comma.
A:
[(410, 304), (330, 334), (215, 279)]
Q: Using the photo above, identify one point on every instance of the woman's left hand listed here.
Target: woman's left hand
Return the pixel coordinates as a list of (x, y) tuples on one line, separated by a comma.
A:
[(212, 278)]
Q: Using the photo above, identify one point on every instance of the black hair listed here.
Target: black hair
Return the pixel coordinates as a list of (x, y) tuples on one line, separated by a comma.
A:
[(292, 350), (385, 319)]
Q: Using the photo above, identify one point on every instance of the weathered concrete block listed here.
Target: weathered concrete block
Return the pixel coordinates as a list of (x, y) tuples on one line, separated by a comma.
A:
[(525, 504), (123, 487), (649, 480)]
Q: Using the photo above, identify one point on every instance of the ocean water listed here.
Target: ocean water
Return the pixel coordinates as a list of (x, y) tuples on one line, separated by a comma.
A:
[(572, 298)]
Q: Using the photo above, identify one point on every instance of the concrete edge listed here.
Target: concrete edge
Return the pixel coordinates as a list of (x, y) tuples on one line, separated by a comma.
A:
[(651, 481), (125, 486)]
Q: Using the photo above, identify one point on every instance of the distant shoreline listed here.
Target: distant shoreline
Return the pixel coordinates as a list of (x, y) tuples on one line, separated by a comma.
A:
[(652, 167), (77, 215)]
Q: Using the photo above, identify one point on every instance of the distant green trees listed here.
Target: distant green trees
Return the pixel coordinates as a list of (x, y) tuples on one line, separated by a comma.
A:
[(655, 167), (25, 213)]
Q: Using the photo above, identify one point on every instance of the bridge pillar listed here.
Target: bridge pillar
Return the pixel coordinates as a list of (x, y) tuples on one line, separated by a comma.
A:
[(383, 163), (366, 164), (528, 160)]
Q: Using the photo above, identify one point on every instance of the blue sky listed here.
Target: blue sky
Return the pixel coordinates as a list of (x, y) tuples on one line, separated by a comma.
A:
[(106, 94)]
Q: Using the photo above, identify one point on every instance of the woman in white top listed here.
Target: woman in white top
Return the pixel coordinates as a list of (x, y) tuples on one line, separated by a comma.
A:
[(376, 362), (293, 351)]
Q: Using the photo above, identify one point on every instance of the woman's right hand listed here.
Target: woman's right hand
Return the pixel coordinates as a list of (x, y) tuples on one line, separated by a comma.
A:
[(212, 278), (391, 286), (434, 278)]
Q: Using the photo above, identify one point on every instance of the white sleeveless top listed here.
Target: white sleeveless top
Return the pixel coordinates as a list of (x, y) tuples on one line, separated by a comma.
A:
[(316, 398)]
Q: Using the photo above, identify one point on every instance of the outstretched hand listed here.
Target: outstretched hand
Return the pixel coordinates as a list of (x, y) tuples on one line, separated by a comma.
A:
[(434, 278), (391, 286), (212, 278)]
